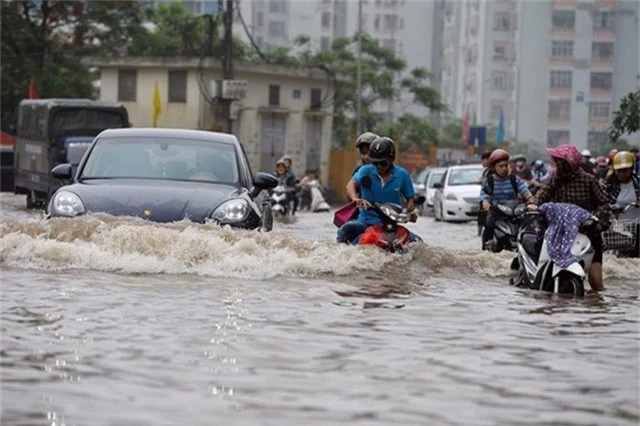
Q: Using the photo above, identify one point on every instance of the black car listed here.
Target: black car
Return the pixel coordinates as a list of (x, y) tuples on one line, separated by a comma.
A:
[(165, 175)]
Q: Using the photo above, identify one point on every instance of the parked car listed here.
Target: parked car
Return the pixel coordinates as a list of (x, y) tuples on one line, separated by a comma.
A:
[(434, 176), (165, 175), (419, 180), (457, 194)]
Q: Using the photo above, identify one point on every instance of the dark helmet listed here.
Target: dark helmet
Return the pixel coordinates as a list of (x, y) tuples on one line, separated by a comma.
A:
[(366, 138), (382, 149)]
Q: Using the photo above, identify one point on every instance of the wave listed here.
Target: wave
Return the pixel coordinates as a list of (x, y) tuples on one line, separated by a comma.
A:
[(135, 246)]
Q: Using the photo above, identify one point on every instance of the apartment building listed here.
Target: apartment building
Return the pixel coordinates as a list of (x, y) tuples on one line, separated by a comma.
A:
[(557, 68), (410, 28)]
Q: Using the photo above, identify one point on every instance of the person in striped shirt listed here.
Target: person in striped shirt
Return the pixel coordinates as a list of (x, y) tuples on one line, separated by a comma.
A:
[(499, 186)]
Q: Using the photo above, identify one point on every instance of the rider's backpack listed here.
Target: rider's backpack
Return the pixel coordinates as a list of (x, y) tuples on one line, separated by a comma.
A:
[(491, 180)]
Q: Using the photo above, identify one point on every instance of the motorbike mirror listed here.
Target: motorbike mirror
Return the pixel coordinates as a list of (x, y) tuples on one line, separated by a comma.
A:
[(366, 182), (262, 181), (420, 200)]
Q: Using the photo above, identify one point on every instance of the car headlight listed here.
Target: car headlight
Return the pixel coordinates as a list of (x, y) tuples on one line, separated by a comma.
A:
[(451, 197), (231, 211), (66, 203)]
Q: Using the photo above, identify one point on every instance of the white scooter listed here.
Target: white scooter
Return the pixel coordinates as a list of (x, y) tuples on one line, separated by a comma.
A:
[(535, 267), (318, 203)]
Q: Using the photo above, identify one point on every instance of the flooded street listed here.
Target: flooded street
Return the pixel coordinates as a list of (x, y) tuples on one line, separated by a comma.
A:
[(112, 321)]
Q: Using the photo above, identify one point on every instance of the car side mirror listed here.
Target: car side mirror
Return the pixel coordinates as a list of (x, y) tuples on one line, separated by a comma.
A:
[(62, 171), (262, 181), (437, 185)]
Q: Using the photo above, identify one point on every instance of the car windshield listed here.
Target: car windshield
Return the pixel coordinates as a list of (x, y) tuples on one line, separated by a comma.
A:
[(434, 178), (464, 176), (420, 177), (162, 158)]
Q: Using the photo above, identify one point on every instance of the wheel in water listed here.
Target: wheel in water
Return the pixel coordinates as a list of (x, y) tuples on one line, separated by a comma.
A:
[(569, 283)]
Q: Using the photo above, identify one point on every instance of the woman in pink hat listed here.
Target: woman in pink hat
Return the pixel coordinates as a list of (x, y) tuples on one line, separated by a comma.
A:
[(573, 185)]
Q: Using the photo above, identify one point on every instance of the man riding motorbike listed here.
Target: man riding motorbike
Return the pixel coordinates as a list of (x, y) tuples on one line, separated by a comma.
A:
[(572, 185), (499, 186), (288, 181), (390, 183)]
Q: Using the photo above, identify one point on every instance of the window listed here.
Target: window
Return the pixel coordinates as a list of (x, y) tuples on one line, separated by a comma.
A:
[(326, 19), (177, 86), (316, 98), (260, 19), (498, 80), (390, 22), (276, 28), (560, 79), (601, 80), (562, 48), (564, 19), (277, 6), (557, 137), (297, 94), (325, 43), (599, 110), (210, 7), (376, 22), (389, 43), (274, 95), (499, 50), (127, 85), (501, 21), (192, 6), (596, 139), (603, 20), (602, 50), (559, 109)]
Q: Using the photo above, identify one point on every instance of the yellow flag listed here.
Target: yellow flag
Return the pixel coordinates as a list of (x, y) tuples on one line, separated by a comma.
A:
[(157, 104)]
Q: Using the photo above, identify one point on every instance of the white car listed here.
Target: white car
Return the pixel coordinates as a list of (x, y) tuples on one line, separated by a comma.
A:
[(434, 176), (457, 195)]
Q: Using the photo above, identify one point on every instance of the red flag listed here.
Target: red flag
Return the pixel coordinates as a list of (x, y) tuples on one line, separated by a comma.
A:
[(465, 127), (33, 92)]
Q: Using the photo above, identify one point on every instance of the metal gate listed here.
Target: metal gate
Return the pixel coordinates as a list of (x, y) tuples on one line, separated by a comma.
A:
[(314, 142), (272, 131)]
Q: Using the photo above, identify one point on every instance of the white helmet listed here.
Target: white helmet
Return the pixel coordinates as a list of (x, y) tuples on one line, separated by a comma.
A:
[(586, 153)]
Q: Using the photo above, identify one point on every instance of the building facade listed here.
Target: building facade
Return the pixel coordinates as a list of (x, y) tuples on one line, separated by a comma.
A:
[(282, 112), (557, 69), (410, 28)]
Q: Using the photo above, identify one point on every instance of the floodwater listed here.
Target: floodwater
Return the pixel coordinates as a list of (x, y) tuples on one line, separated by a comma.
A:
[(111, 321)]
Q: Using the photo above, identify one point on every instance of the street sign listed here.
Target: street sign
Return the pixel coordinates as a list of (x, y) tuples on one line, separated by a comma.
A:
[(478, 136)]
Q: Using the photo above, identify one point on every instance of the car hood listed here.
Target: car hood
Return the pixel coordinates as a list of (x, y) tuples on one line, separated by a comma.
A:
[(465, 190), (159, 201)]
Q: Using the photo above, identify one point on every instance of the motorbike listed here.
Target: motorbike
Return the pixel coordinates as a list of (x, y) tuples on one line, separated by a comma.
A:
[(318, 203), (622, 237), (391, 235), (535, 267), (281, 201), (507, 225)]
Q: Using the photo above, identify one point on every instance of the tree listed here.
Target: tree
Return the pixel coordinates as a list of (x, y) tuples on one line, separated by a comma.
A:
[(627, 118), (379, 68), (46, 40)]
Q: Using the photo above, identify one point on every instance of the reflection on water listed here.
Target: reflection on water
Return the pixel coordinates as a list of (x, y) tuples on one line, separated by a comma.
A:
[(116, 321)]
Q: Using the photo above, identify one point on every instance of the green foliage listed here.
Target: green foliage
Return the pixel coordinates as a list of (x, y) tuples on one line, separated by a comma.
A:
[(379, 68), (450, 134), (627, 118), (46, 40)]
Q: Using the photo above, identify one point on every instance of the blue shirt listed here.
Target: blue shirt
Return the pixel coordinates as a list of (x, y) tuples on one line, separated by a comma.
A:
[(398, 189), (503, 189)]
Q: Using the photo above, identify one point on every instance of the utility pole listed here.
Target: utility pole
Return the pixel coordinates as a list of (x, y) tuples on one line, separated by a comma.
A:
[(227, 61), (359, 73)]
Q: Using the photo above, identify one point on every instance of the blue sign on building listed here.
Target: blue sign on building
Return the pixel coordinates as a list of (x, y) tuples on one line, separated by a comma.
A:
[(478, 135)]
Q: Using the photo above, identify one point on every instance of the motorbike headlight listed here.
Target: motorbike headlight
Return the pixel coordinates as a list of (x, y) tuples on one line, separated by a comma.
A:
[(231, 211), (66, 203), (451, 196)]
